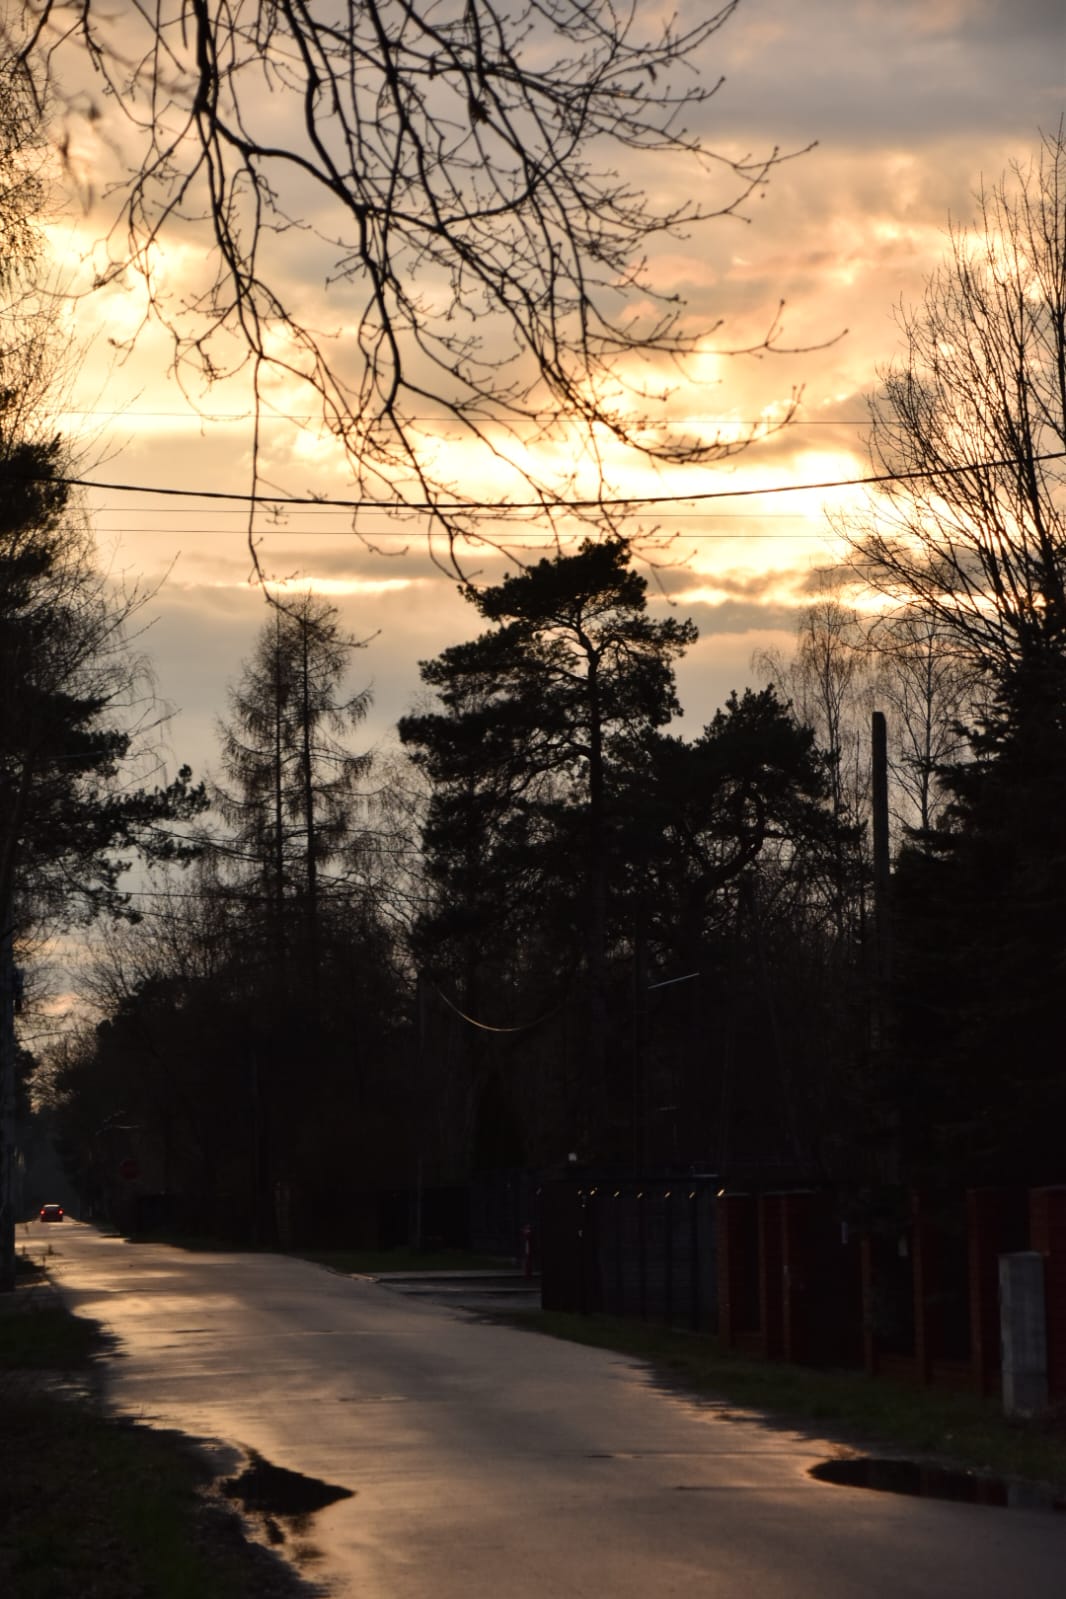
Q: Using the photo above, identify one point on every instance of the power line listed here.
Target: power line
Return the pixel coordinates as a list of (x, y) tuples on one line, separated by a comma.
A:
[(507, 507), (811, 523), (741, 535), (330, 510), (484, 1027), (305, 417)]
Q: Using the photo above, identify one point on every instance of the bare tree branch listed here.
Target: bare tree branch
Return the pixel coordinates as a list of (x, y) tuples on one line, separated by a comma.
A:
[(982, 379), (457, 174)]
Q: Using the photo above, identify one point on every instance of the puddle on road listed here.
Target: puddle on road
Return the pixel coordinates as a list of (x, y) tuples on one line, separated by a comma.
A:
[(273, 1494), (282, 1502), (936, 1482)]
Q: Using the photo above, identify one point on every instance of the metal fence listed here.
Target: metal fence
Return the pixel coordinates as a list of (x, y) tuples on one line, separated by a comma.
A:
[(631, 1247), (501, 1204)]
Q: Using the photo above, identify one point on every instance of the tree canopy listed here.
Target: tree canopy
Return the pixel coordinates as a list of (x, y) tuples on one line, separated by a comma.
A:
[(539, 716), (580, 854), (75, 701), (975, 407), (976, 552)]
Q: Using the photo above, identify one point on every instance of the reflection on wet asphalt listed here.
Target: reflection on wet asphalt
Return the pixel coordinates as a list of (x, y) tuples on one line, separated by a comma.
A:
[(279, 1503), (276, 1491), (936, 1482), (479, 1461)]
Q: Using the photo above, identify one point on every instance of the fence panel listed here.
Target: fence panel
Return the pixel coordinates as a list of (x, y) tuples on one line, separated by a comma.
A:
[(632, 1248)]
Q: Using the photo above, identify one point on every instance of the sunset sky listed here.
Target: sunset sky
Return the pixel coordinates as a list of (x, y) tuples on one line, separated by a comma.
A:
[(912, 104)]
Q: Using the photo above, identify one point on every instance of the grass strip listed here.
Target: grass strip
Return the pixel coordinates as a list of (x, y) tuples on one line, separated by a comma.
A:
[(351, 1261), (373, 1261), (47, 1338), (847, 1406)]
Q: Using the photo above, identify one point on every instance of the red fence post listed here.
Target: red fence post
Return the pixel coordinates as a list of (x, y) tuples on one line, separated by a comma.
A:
[(869, 1291), (727, 1248), (801, 1273), (772, 1274), (985, 1208), (923, 1266), (738, 1269)]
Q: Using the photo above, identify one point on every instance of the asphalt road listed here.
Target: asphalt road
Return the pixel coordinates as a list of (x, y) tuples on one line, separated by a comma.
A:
[(488, 1463)]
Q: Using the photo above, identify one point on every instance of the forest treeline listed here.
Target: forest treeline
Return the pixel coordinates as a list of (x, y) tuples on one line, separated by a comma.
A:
[(555, 926), (551, 924)]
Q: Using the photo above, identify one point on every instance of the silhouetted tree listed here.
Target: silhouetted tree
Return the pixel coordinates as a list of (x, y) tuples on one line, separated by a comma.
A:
[(980, 951), (581, 857), (734, 843), (830, 681), (977, 553), (540, 715), (927, 691), (71, 810), (292, 797), (293, 785), (976, 409)]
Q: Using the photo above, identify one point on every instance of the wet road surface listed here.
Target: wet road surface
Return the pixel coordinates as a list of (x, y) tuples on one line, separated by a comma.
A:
[(488, 1463)]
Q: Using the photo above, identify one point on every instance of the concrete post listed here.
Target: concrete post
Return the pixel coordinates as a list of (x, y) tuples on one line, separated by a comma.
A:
[(1023, 1333)]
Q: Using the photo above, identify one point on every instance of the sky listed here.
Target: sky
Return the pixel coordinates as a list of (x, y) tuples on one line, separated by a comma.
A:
[(912, 105)]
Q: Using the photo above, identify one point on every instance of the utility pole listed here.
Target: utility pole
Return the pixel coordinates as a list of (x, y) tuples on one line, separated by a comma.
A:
[(882, 972), (882, 869), (8, 1147)]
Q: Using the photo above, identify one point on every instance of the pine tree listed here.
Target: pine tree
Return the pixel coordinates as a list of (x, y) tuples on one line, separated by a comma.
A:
[(292, 789)]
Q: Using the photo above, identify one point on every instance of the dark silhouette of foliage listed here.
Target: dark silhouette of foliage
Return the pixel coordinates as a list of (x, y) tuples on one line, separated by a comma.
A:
[(74, 700), (980, 556), (981, 952), (977, 405), (70, 817), (541, 714), (293, 797), (582, 859)]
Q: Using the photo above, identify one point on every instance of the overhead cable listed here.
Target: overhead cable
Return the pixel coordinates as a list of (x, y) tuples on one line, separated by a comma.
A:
[(505, 507)]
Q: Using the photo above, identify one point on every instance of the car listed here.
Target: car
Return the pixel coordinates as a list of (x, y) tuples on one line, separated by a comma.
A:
[(51, 1213)]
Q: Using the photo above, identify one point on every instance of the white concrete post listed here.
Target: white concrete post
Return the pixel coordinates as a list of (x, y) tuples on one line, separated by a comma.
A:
[(1023, 1333)]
